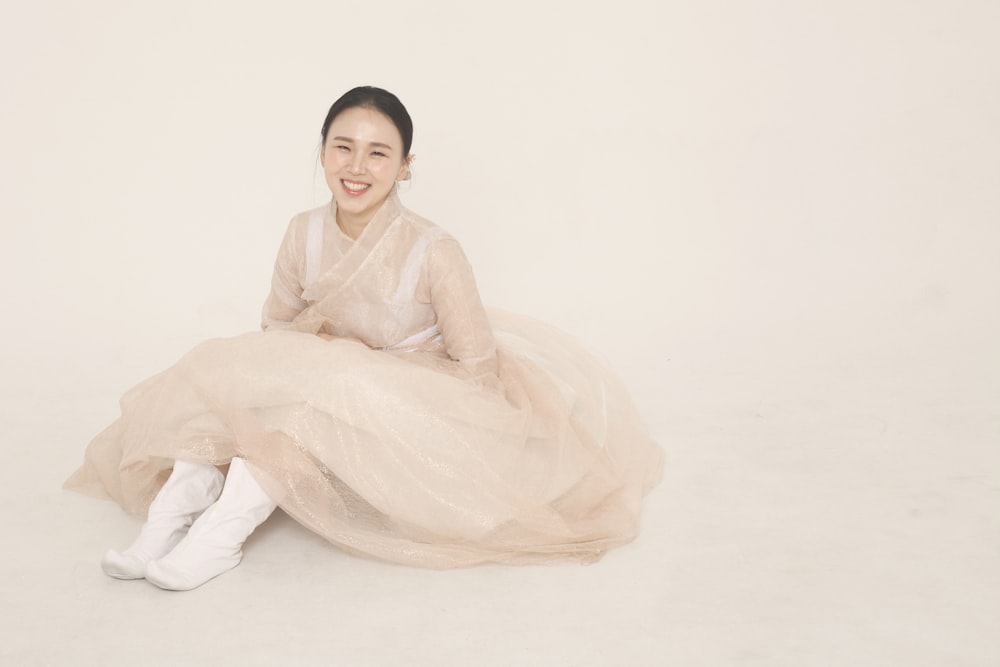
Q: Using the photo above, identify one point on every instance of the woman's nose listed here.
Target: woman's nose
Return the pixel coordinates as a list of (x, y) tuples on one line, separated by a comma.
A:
[(357, 163)]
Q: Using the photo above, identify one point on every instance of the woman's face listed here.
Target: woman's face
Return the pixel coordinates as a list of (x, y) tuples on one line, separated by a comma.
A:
[(362, 159)]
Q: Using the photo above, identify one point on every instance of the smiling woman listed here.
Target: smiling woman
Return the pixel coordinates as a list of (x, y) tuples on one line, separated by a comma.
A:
[(382, 406)]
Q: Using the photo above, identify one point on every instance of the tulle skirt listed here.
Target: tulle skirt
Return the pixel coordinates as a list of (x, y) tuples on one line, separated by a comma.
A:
[(399, 455)]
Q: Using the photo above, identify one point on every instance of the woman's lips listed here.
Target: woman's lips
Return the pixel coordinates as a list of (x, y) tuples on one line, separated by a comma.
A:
[(355, 188)]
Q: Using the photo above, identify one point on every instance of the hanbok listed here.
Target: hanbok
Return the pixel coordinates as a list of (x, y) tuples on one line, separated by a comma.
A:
[(383, 407)]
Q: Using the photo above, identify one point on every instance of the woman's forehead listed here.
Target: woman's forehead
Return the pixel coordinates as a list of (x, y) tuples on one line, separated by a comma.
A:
[(365, 125)]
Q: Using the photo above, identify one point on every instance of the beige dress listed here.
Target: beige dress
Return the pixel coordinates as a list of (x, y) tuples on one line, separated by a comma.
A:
[(385, 409)]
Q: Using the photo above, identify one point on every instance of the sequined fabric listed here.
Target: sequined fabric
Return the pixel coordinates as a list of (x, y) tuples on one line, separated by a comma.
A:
[(385, 409)]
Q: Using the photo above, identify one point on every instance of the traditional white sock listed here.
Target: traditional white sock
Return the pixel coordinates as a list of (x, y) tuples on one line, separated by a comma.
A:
[(214, 543), (190, 489)]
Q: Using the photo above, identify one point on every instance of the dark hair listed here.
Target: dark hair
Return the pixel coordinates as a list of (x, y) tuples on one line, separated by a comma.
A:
[(370, 97)]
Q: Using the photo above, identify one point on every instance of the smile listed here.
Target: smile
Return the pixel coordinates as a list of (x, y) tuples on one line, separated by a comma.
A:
[(355, 188)]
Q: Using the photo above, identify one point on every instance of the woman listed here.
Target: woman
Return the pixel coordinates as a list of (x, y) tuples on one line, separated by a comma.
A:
[(381, 406)]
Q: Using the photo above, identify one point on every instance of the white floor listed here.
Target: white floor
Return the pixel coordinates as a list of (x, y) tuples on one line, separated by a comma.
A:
[(806, 518)]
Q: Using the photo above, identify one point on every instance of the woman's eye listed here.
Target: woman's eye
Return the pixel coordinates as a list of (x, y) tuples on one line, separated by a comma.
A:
[(378, 153), (343, 148)]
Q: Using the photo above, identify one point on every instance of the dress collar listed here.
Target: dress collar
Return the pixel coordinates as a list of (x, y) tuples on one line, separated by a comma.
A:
[(383, 217)]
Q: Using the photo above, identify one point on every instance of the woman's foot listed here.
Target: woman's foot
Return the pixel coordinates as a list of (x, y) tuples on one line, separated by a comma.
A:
[(214, 543), (190, 489)]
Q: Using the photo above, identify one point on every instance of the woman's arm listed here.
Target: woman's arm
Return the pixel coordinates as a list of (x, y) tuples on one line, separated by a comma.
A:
[(285, 299), (467, 332)]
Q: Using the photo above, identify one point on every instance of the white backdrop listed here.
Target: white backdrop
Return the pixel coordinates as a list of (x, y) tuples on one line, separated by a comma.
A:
[(724, 185)]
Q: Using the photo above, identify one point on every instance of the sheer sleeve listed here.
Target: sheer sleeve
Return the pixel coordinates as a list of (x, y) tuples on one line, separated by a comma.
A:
[(285, 299), (465, 327)]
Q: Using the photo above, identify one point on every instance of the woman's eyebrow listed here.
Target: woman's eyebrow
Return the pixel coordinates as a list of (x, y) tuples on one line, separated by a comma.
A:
[(374, 143)]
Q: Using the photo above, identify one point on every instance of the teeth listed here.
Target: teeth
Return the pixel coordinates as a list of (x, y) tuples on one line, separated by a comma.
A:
[(355, 187)]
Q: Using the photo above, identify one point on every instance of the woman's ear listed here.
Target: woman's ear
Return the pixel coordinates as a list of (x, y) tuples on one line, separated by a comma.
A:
[(404, 169)]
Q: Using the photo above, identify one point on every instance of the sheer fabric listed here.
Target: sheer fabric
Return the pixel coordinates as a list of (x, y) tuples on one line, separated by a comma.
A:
[(383, 407)]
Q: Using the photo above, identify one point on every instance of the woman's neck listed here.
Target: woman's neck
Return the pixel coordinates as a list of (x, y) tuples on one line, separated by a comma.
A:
[(351, 225), (354, 223)]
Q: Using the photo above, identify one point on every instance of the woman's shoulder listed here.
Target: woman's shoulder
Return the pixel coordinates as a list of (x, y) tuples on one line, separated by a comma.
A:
[(443, 252), (423, 227), (303, 217), (298, 227)]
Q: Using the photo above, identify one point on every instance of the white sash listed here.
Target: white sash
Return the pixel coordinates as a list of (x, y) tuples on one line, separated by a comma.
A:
[(417, 338), (314, 246)]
